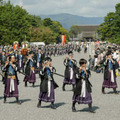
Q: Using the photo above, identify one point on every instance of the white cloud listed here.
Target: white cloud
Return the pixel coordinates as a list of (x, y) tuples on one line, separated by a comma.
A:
[(90, 8)]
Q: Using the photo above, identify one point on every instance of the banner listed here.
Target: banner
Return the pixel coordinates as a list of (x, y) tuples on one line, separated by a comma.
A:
[(98, 42), (63, 39)]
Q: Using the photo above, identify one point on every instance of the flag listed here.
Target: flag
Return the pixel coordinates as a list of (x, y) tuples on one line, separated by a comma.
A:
[(63, 39), (97, 42)]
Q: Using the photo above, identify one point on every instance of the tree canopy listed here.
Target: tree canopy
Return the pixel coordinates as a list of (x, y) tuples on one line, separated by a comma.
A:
[(74, 31), (110, 29), (16, 24)]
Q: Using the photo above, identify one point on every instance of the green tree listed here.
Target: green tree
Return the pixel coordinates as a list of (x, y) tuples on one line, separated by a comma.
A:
[(110, 29), (74, 31), (16, 24), (47, 22)]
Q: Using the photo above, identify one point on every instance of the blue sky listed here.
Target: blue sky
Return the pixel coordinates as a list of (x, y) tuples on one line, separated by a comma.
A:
[(87, 8)]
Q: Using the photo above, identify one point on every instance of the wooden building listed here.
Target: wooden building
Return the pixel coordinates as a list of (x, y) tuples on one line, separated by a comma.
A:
[(87, 32)]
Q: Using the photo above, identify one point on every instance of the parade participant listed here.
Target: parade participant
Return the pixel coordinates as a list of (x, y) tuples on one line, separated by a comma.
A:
[(117, 56), (102, 55), (26, 44), (20, 63), (39, 60), (3, 59), (16, 46), (11, 52), (85, 49), (82, 91), (50, 51), (48, 84), (57, 50), (11, 80), (23, 45), (90, 62), (16, 54), (30, 70), (70, 64), (42, 56), (55, 53), (114, 54), (109, 73), (78, 49)]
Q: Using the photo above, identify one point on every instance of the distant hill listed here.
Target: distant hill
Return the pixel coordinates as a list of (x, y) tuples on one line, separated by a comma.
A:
[(67, 20)]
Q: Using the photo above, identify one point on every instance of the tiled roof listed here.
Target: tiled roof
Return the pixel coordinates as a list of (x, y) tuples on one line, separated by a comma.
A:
[(88, 28)]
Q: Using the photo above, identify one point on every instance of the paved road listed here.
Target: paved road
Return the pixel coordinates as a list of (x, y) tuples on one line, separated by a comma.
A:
[(107, 106)]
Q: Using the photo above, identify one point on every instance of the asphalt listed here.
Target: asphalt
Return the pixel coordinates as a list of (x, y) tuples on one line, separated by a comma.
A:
[(107, 106)]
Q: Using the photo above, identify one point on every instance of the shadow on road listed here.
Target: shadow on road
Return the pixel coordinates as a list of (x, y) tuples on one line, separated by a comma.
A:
[(59, 104), (113, 92), (94, 108), (56, 104), (25, 100), (22, 101), (1, 98), (34, 86), (37, 86)]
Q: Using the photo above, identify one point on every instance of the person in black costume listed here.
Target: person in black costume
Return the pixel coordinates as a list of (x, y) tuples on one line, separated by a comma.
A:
[(110, 66), (48, 84), (30, 75), (70, 69), (11, 80), (82, 91)]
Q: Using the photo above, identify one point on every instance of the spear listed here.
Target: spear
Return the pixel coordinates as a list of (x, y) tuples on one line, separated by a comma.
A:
[(58, 74)]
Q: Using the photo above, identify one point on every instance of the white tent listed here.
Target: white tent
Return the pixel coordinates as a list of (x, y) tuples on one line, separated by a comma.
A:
[(37, 43)]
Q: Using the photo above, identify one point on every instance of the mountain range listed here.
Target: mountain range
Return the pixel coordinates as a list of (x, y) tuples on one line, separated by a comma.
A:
[(67, 20)]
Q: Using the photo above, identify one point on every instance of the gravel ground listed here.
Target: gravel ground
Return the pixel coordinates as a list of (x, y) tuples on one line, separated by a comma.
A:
[(106, 106)]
